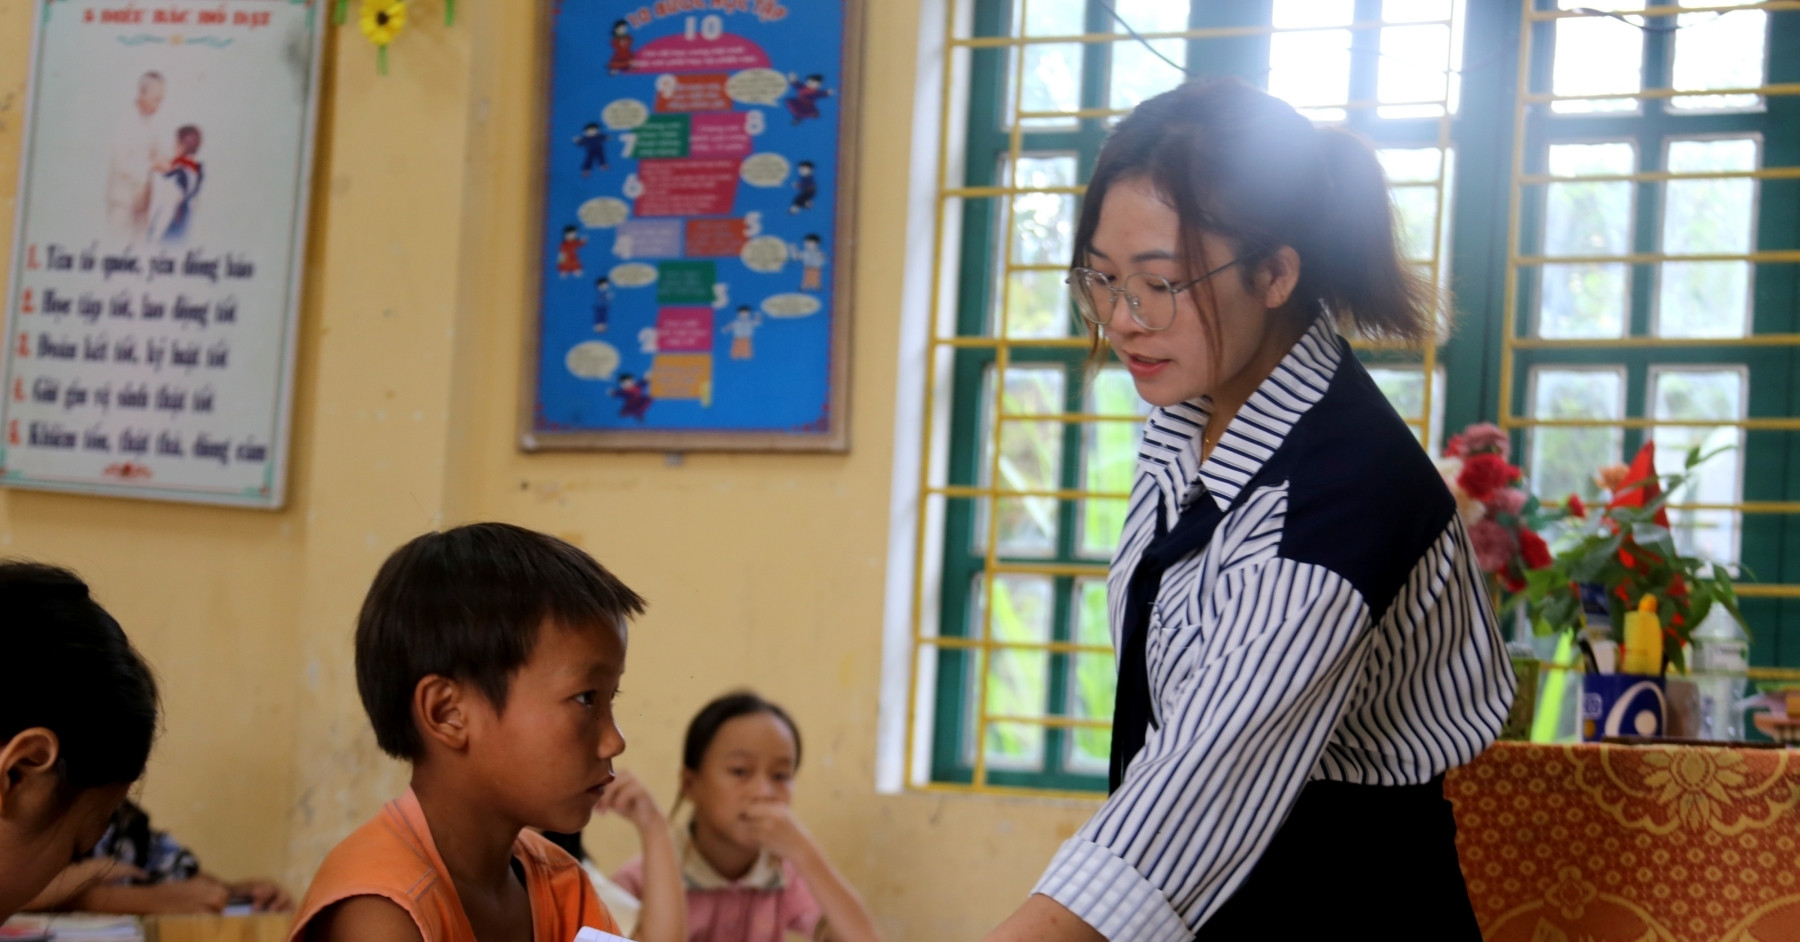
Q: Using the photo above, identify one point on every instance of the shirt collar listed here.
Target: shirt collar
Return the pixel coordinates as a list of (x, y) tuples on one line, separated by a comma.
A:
[(766, 874), (1171, 447)]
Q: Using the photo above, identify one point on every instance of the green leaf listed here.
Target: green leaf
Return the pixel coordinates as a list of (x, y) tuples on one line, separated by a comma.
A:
[(1700, 604), (1654, 537)]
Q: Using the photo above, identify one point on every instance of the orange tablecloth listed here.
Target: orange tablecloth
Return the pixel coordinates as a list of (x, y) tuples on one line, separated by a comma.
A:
[(1631, 842)]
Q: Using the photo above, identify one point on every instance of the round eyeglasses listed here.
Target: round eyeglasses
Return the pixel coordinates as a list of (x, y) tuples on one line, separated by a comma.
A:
[(1151, 298)]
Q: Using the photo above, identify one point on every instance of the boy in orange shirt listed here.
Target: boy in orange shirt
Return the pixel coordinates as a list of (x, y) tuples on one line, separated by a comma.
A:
[(488, 656)]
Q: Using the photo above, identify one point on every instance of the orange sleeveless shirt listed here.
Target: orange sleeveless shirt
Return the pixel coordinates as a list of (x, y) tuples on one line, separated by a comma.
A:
[(394, 857)]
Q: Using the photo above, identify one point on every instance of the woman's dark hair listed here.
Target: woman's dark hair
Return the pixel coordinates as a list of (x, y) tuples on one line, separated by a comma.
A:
[(75, 674), (468, 604), (706, 725), (1244, 165)]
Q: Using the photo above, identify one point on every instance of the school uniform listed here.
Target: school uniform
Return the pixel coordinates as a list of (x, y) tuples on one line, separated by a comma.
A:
[(1305, 647)]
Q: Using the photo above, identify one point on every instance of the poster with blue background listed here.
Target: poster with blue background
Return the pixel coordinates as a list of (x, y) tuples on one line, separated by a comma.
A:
[(698, 153)]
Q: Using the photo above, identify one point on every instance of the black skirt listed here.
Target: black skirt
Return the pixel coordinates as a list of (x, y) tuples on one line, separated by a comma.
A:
[(1356, 861)]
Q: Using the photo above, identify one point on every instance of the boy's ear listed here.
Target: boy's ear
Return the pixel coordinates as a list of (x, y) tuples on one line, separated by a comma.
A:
[(441, 708), (28, 768)]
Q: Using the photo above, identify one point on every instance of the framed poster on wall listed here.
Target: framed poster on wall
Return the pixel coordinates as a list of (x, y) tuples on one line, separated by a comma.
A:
[(162, 210), (694, 253)]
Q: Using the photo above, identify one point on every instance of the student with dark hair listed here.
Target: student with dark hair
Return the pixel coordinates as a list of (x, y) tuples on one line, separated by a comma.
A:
[(139, 870), (78, 715), (488, 657), (753, 874), (1305, 642)]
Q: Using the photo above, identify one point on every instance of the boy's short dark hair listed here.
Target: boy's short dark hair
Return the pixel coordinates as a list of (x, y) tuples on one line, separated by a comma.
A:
[(468, 604)]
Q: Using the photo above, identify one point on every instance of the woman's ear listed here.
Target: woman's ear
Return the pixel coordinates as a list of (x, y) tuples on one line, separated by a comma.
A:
[(29, 769), (1277, 276)]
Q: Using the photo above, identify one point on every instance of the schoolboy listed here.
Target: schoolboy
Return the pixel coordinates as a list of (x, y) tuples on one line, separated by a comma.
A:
[(487, 656)]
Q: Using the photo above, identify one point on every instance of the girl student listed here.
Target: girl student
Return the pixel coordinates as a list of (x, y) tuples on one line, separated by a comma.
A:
[(78, 713), (1305, 643), (752, 872)]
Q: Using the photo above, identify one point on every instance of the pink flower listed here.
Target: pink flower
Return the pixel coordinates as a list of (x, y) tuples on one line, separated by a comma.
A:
[(1485, 473), (1507, 500), (1493, 546), (1485, 438)]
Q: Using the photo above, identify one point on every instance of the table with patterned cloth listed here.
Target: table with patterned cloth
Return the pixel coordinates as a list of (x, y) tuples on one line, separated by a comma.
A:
[(1628, 843)]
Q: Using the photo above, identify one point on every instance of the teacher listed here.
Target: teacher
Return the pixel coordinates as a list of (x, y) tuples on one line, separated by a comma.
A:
[(1305, 643)]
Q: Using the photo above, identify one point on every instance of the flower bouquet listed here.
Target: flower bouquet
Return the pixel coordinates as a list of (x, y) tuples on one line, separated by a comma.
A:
[(1505, 522), (1627, 550)]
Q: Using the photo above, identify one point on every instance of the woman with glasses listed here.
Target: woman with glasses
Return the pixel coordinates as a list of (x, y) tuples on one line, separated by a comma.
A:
[(1304, 641)]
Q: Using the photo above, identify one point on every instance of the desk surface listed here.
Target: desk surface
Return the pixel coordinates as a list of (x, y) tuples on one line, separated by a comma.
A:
[(271, 927), (1663, 842)]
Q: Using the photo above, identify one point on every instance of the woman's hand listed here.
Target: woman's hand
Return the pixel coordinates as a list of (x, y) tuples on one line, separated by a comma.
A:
[(773, 826), (629, 799), (265, 895)]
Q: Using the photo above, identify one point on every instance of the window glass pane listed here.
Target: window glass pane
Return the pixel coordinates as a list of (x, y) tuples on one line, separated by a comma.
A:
[(1586, 300), (1030, 460), (1707, 299), (1053, 18), (1715, 50), (1311, 70), (1563, 460), (1597, 55), (1410, 164), (1138, 73), (1052, 82), (1415, 70), (1109, 457), (1018, 681), (1702, 394), (1414, 11), (1092, 678), (1037, 302)]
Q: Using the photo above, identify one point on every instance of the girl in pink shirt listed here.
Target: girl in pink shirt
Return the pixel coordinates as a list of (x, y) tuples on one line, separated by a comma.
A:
[(751, 872)]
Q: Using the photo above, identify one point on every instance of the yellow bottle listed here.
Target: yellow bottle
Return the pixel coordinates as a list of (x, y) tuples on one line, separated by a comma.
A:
[(1643, 639)]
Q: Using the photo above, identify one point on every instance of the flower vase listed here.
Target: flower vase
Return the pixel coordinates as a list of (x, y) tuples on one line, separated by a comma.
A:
[(1526, 669)]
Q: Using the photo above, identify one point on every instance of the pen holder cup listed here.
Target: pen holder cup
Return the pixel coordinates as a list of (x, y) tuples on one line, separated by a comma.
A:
[(1622, 705)]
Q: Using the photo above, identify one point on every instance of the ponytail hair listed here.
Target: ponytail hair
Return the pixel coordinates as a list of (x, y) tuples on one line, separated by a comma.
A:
[(1239, 163), (74, 674)]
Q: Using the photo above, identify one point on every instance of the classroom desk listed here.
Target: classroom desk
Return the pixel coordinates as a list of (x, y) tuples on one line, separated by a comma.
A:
[(268, 927), (1602, 843)]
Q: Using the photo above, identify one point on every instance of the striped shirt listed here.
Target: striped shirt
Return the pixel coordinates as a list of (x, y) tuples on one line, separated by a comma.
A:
[(1335, 627)]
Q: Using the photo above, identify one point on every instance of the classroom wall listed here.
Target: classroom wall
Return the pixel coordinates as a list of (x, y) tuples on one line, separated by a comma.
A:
[(764, 570)]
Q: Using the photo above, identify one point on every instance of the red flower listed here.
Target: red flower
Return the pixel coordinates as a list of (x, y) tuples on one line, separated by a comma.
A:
[(1456, 447), (1484, 474), (1534, 550), (1576, 507), (1513, 583)]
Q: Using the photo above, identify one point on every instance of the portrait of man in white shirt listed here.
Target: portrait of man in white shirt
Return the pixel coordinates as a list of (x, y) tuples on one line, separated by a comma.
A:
[(139, 146)]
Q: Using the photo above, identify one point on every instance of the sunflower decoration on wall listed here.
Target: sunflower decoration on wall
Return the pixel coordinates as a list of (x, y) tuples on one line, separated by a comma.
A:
[(381, 22)]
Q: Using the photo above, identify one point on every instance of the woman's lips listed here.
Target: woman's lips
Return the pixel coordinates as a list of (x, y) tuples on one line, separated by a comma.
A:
[(1144, 367)]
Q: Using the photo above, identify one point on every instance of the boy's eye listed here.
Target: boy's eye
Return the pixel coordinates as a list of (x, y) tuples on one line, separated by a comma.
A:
[(587, 697)]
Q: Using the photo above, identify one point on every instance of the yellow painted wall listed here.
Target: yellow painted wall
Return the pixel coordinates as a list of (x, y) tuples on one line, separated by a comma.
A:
[(763, 570)]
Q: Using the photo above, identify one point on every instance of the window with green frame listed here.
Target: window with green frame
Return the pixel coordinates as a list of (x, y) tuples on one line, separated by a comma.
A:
[(1034, 449)]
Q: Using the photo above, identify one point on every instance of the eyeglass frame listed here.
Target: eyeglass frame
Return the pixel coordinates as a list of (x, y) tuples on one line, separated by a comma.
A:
[(1132, 301)]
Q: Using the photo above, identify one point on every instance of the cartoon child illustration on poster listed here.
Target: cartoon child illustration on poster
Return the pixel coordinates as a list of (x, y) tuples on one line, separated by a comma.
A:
[(568, 254), (634, 396), (592, 142), (176, 187), (621, 48), (603, 297), (812, 262), (139, 147), (806, 187), (741, 331), (804, 102)]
